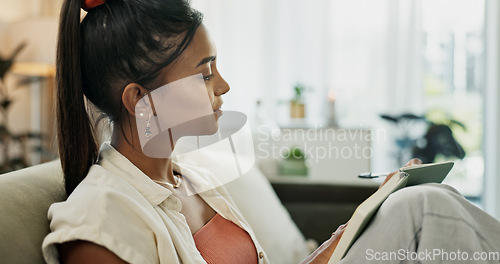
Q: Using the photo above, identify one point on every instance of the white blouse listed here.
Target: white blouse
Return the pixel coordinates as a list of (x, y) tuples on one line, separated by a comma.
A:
[(119, 207)]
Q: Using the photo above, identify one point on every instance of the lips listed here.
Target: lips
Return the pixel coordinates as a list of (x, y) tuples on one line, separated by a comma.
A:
[(218, 112), (217, 108), (217, 104)]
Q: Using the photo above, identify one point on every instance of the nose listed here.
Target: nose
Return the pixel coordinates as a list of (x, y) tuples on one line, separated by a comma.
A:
[(221, 87)]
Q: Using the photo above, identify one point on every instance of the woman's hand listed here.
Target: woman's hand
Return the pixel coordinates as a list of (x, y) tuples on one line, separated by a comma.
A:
[(324, 252), (410, 163)]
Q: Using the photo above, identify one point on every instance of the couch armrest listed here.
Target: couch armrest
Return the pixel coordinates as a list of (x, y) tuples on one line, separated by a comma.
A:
[(25, 197)]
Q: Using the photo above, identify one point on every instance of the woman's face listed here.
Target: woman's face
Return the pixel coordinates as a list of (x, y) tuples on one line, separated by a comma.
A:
[(200, 57), (181, 109)]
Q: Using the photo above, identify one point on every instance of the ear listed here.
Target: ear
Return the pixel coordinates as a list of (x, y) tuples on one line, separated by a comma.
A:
[(132, 93)]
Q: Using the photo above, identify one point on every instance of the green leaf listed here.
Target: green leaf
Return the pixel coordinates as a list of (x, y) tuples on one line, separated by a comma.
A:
[(295, 153)]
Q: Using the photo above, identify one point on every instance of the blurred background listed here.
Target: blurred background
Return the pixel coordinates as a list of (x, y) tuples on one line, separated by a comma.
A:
[(321, 82)]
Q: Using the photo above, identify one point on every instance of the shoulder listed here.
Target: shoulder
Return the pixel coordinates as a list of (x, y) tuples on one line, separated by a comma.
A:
[(102, 195), (100, 187), (95, 212)]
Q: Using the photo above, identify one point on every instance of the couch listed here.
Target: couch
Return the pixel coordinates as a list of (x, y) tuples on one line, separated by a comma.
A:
[(26, 195)]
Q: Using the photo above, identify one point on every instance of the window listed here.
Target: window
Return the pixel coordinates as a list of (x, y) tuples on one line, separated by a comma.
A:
[(454, 81), (375, 57)]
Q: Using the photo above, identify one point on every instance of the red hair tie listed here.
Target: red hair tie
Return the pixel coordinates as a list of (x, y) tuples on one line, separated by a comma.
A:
[(89, 4)]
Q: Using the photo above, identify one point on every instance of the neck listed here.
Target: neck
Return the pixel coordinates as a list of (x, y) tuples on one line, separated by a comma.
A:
[(156, 169)]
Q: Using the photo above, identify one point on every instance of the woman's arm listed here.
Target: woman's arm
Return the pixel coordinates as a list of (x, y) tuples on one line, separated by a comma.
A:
[(324, 252), (84, 252)]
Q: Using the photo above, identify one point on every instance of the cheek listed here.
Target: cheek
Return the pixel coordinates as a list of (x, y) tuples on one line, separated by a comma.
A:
[(210, 92)]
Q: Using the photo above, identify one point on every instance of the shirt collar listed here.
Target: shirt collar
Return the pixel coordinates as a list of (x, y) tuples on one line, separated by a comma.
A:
[(113, 161)]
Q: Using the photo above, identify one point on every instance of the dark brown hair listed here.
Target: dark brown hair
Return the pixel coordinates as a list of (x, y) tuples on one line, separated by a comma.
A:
[(119, 42)]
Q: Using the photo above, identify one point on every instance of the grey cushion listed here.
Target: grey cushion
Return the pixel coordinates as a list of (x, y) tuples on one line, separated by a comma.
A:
[(25, 197)]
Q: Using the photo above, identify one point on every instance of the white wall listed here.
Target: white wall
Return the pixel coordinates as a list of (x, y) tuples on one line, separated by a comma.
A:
[(33, 22), (12, 11)]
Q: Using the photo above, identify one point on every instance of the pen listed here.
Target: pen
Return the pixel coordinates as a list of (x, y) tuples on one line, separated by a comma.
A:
[(372, 175)]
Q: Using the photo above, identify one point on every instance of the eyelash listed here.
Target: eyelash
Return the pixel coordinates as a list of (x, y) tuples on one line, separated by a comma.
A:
[(208, 77)]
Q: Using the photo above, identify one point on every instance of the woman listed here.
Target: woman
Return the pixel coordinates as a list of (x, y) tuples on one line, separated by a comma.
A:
[(125, 206)]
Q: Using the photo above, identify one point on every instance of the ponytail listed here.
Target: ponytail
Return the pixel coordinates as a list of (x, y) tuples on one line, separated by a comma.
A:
[(77, 146)]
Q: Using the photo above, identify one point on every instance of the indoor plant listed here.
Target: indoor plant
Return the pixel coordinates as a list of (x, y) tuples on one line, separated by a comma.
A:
[(293, 162), (16, 147), (297, 104)]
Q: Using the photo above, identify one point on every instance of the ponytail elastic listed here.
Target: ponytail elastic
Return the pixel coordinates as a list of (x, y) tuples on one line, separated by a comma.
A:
[(89, 4)]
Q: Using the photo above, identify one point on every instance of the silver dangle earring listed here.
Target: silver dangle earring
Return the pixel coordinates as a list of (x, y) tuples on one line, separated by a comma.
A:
[(148, 132)]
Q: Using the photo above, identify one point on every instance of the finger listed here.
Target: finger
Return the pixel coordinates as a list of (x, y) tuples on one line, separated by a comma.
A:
[(413, 162), (387, 178), (340, 229)]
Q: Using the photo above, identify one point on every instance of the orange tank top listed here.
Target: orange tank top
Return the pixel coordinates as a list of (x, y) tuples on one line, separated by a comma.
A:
[(222, 241)]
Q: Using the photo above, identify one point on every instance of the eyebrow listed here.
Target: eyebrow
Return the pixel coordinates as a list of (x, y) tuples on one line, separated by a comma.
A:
[(206, 60)]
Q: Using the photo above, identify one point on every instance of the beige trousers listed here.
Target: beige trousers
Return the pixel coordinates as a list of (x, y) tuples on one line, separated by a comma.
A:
[(430, 223)]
